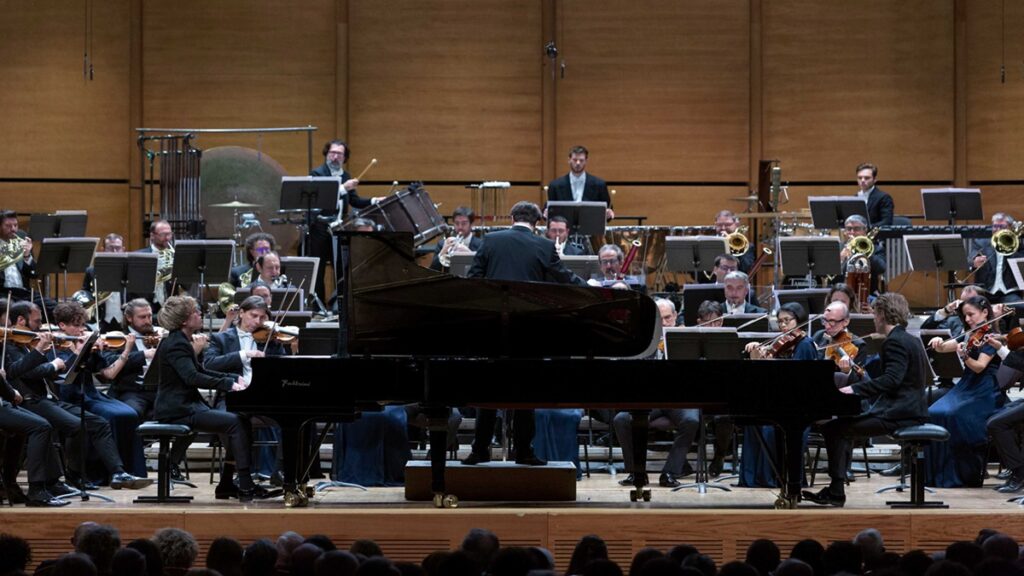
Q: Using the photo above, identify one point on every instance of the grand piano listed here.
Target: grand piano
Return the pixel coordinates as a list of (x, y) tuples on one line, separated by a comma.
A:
[(412, 335)]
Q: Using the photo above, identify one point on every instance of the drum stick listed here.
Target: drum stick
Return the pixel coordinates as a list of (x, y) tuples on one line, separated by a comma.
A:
[(367, 169)]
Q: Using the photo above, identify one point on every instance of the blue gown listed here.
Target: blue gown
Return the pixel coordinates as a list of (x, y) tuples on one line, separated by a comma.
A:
[(755, 463), (555, 436), (373, 450), (964, 411)]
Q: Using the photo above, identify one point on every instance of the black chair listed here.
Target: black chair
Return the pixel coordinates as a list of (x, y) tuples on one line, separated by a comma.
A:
[(913, 440), (164, 434)]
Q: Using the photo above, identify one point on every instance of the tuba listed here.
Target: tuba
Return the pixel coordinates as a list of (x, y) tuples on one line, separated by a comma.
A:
[(737, 243), (1007, 242)]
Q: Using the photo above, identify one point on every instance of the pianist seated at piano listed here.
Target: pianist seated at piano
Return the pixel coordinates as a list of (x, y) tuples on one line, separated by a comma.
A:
[(178, 400), (895, 399), (737, 293)]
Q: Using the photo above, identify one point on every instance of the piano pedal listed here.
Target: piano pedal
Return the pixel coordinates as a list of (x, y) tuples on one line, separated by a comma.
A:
[(641, 494), (442, 500)]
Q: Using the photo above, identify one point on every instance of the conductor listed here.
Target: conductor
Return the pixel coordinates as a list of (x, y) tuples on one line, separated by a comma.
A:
[(516, 254)]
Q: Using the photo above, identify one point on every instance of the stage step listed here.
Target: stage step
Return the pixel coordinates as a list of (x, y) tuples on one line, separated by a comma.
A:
[(495, 481)]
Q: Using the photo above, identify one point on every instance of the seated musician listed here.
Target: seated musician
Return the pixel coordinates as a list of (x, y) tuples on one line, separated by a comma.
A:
[(948, 318), (558, 232), (161, 243), (842, 292), (267, 269), (256, 288), (110, 315), (123, 419), (1004, 427), (856, 226), (256, 244), (793, 344), (965, 409), (737, 292), (709, 314), (727, 222), (724, 263), (895, 398), (994, 273), (23, 428), (178, 400), (836, 318), (38, 384), (685, 424), (462, 240), (610, 257), (17, 266)]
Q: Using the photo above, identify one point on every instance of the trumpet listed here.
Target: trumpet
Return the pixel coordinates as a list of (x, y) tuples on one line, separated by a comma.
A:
[(737, 242), (450, 246), (1005, 242)]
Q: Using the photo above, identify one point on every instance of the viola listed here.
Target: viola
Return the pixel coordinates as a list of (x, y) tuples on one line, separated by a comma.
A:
[(785, 344), (842, 346)]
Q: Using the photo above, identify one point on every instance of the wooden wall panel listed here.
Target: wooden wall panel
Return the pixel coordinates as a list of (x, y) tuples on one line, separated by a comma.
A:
[(846, 83), (995, 117), (446, 90), (242, 65), (55, 123), (657, 91)]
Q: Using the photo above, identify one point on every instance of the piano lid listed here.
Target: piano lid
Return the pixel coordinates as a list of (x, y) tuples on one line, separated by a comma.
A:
[(400, 308)]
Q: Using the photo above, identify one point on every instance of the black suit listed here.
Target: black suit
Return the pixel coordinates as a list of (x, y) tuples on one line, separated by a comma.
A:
[(474, 245), (895, 400), (178, 400), (986, 275), (222, 355), (748, 308), (42, 462), (1004, 426), (518, 254), (880, 208), (594, 190), (321, 242)]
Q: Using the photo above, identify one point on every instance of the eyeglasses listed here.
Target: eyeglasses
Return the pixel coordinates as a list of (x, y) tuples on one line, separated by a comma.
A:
[(831, 322), (855, 229), (609, 262)]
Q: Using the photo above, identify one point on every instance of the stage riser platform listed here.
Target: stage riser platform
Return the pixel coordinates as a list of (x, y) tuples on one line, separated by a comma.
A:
[(495, 482), (411, 534)]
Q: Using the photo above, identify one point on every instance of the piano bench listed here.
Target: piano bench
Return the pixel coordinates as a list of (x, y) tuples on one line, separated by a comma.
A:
[(914, 439), (164, 434)]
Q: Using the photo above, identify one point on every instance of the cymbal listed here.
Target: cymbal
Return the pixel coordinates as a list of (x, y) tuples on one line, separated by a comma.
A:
[(235, 204)]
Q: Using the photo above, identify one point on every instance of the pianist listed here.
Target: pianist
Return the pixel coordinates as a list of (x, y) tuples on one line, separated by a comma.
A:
[(519, 255), (178, 400)]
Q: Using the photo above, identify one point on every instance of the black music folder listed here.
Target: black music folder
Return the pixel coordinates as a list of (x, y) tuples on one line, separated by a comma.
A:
[(585, 267), (206, 261), (831, 212), (60, 255), (815, 255), (951, 204), (460, 263), (938, 252), (695, 294), (310, 193), (300, 270), (703, 344), (586, 218), (125, 272), (60, 224), (812, 299), (693, 254)]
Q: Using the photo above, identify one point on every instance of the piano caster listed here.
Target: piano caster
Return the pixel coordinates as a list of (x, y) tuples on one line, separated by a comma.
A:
[(296, 499), (446, 500), (636, 495), (784, 503)]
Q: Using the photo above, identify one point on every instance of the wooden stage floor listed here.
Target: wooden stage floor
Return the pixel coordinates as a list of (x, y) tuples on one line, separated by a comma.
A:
[(720, 524)]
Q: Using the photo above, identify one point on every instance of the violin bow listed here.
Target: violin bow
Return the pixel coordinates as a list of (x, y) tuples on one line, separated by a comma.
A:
[(280, 314), (7, 323), (980, 326), (751, 321)]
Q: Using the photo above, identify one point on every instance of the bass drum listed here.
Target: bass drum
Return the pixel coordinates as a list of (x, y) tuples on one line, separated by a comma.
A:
[(232, 173), (650, 256)]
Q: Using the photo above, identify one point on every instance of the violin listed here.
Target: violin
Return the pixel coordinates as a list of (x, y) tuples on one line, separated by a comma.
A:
[(842, 346), (19, 336), (282, 334), (783, 345), (113, 340), (977, 338)]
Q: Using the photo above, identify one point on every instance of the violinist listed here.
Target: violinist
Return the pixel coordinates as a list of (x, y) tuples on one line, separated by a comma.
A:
[(841, 292), (709, 314), (257, 288), (895, 398), (71, 317), (37, 383), (178, 400), (834, 341), (966, 408)]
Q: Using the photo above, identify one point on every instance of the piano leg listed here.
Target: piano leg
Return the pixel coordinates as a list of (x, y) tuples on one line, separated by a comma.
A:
[(293, 453), (639, 429), (792, 471), (437, 425)]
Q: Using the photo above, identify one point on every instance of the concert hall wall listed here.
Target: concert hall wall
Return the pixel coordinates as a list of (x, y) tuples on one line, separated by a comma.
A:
[(677, 101)]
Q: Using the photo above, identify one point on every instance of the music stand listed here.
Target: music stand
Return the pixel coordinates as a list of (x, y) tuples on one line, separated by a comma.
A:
[(583, 266), (125, 272), (936, 252), (278, 298), (583, 218), (301, 270), (60, 224), (831, 212), (693, 253), (861, 324), (694, 294), (810, 256), (951, 204), (944, 364), (311, 193), (300, 319), (754, 322), (73, 372), (461, 262), (318, 339), (812, 299), (202, 261), (63, 255), (1015, 267)]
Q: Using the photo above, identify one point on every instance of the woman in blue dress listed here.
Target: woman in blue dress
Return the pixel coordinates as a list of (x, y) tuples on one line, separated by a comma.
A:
[(964, 410), (755, 462), (373, 450)]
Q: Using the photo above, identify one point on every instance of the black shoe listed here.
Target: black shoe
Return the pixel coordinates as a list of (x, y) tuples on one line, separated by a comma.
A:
[(475, 458), (1005, 474), (176, 474), (126, 480), (14, 494), (715, 468), (667, 480), (850, 477), (1013, 485), (277, 479), (530, 460), (40, 498), (896, 470), (225, 490), (257, 492), (825, 497), (80, 483), (627, 481), (58, 488)]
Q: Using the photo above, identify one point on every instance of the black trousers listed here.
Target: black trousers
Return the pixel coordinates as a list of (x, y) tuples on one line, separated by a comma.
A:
[(66, 420), (1003, 427), (42, 462), (321, 245), (234, 431), (523, 426), (839, 431)]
